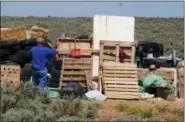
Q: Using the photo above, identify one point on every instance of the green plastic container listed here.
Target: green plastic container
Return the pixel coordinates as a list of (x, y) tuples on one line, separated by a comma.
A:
[(53, 92)]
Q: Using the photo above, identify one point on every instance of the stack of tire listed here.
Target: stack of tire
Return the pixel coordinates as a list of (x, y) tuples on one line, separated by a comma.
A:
[(54, 69), (17, 52)]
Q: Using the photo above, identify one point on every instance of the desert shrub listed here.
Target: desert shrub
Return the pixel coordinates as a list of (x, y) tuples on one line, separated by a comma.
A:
[(173, 119), (68, 119), (8, 99), (21, 115), (146, 112), (122, 106), (97, 105), (162, 108), (128, 118), (178, 111), (91, 111), (30, 104), (35, 106), (133, 110), (153, 120)]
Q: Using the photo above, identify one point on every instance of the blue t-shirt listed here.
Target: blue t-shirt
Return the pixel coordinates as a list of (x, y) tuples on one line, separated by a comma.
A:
[(40, 55)]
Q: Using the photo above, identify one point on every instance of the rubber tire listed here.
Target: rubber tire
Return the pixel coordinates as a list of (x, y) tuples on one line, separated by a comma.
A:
[(53, 85), (58, 64), (55, 73), (53, 80), (26, 73)]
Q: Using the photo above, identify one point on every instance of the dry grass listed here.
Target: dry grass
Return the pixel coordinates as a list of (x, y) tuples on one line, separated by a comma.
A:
[(122, 106), (162, 108), (146, 112)]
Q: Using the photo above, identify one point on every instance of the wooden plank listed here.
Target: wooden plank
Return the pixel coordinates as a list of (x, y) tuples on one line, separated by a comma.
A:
[(117, 52), (76, 64), (121, 82), (123, 93), (124, 68), (82, 53), (133, 75), (113, 43), (78, 60), (73, 78), (120, 79), (109, 51), (101, 54), (121, 96), (77, 67), (128, 52), (133, 54), (65, 83), (114, 64), (121, 86), (118, 72), (73, 73), (107, 57), (121, 90)]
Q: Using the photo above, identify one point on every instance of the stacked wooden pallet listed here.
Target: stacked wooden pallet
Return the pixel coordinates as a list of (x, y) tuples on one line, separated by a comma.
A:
[(74, 70), (120, 80), (109, 51), (10, 74), (64, 46)]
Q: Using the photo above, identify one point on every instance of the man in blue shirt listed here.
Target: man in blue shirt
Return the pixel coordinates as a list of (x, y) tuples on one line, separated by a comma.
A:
[(40, 55)]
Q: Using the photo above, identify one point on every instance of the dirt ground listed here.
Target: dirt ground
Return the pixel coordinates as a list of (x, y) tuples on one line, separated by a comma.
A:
[(181, 83), (107, 110)]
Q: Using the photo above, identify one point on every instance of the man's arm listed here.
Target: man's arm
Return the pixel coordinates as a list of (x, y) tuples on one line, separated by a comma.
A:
[(56, 52), (51, 51), (50, 45)]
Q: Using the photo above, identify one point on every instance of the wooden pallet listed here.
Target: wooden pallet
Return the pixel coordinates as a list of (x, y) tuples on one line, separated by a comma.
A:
[(74, 70), (120, 80), (64, 46), (11, 74), (109, 51)]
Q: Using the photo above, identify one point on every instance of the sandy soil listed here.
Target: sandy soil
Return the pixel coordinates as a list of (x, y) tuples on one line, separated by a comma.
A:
[(107, 110)]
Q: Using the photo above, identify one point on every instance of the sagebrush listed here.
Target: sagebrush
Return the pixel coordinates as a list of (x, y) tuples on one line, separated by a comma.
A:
[(30, 104)]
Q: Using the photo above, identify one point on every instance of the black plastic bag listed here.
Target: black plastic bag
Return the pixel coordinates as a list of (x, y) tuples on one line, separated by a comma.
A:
[(72, 89)]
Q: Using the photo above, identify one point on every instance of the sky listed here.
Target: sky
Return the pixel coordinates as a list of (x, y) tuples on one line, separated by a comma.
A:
[(88, 9)]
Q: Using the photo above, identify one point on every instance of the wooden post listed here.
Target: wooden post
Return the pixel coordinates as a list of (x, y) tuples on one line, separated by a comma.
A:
[(101, 53), (174, 60), (133, 53), (75, 44), (117, 52)]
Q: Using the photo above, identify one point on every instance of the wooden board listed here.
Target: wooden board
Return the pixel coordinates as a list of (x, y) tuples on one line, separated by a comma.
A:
[(69, 44), (122, 95), (109, 51), (74, 70), (120, 80)]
